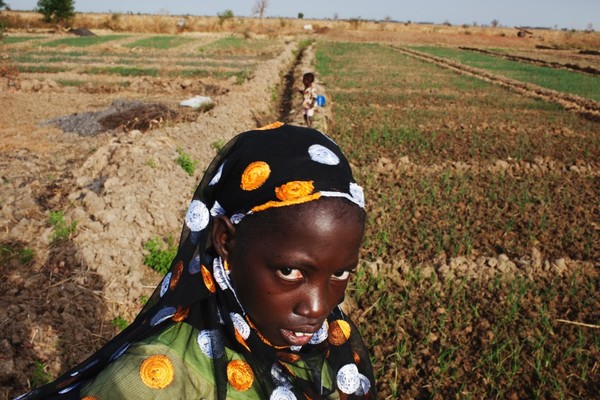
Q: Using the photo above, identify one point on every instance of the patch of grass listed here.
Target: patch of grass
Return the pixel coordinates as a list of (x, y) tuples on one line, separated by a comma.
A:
[(240, 45), (62, 229), (123, 71), (82, 41), (160, 254), (160, 42), (41, 69), (186, 162), (40, 375), (19, 39), (10, 251), (70, 82), (551, 78), (26, 255)]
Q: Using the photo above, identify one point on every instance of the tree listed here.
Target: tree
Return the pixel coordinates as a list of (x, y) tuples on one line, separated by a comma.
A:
[(260, 7), (495, 23), (300, 15), (56, 10), (3, 4), (225, 16)]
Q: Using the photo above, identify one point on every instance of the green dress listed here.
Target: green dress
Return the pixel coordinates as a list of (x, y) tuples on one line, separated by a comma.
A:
[(172, 365)]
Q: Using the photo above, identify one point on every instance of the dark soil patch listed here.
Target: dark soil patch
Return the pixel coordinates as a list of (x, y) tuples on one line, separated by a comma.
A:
[(123, 115)]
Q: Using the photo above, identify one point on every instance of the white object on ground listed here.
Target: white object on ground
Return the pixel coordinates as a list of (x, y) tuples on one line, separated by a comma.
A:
[(196, 101)]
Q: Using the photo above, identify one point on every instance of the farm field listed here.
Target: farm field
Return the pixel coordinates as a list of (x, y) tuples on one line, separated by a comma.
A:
[(481, 264), (481, 187)]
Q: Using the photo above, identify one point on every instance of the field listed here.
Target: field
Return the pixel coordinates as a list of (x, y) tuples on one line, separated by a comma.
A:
[(481, 265)]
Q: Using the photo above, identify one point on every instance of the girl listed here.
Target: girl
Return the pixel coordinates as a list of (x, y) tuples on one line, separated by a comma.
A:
[(249, 308), (309, 97)]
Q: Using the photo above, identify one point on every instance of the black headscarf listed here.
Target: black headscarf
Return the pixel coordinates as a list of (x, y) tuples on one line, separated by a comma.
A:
[(277, 166)]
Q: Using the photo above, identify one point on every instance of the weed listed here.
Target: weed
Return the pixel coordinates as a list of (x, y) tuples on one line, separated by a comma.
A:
[(151, 162), (26, 255), (218, 144), (160, 254), (186, 162), (120, 323), (40, 375), (143, 299), (62, 229)]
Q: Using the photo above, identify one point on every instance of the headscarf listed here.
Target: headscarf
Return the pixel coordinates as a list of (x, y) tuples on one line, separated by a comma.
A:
[(276, 166)]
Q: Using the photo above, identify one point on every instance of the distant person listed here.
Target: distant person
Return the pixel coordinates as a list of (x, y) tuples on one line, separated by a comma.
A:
[(250, 306), (309, 97)]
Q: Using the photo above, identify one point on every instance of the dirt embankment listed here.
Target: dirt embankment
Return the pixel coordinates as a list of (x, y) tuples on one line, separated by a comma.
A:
[(121, 189)]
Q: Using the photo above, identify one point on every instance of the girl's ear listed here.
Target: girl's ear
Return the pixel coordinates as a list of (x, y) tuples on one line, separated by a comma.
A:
[(222, 235)]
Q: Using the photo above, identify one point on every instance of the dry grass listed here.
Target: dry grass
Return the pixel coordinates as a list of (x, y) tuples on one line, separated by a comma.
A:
[(355, 29)]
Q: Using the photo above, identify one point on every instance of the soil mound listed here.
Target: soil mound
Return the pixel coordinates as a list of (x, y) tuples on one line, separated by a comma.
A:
[(81, 32)]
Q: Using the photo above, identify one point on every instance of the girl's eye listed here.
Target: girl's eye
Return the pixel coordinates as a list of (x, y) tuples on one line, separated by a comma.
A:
[(290, 274), (341, 275)]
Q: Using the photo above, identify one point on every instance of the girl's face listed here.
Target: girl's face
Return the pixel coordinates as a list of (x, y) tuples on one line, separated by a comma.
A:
[(290, 274)]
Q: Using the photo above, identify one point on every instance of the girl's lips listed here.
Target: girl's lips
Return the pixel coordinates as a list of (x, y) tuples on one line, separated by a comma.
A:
[(296, 338)]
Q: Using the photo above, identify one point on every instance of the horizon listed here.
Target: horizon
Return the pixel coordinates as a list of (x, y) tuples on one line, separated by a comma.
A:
[(550, 14)]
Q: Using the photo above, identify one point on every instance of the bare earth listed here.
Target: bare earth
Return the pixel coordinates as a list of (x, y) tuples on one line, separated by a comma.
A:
[(121, 188)]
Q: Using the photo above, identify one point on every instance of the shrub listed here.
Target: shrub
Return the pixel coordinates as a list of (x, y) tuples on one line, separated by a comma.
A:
[(62, 230), (160, 254), (186, 162)]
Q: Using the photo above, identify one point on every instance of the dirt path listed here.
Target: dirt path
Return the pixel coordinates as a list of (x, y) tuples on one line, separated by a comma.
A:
[(589, 109)]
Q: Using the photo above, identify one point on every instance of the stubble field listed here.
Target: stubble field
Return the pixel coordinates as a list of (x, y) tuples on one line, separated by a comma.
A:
[(480, 269)]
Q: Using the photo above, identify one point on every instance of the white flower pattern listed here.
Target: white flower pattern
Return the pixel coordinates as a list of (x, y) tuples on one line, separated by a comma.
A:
[(197, 216), (323, 155), (348, 378)]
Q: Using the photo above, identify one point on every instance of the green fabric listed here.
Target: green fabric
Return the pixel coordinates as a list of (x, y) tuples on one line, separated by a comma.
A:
[(193, 371)]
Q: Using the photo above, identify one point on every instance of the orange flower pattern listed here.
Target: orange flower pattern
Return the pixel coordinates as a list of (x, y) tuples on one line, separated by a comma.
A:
[(240, 375), (273, 125), (294, 190), (181, 314), (157, 371), (209, 282), (339, 332), (255, 175), (177, 270)]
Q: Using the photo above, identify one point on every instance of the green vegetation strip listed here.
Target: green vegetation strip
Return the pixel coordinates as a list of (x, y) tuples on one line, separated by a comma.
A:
[(123, 71), (498, 337), (159, 42), (18, 39), (82, 41), (551, 78)]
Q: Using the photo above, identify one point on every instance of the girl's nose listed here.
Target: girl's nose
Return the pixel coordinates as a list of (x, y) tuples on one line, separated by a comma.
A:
[(313, 303)]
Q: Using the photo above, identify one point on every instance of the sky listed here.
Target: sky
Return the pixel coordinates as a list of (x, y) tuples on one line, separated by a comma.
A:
[(571, 14)]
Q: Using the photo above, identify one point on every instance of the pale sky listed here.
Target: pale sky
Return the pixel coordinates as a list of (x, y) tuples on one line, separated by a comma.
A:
[(577, 14)]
